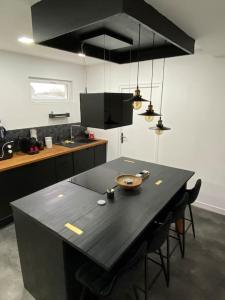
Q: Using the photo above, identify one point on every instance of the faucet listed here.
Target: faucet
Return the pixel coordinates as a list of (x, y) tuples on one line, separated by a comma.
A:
[(71, 131)]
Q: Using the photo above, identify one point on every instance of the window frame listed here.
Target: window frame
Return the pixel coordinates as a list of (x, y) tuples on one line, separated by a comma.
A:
[(67, 83)]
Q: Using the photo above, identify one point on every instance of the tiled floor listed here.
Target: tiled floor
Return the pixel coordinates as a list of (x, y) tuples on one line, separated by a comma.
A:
[(200, 276)]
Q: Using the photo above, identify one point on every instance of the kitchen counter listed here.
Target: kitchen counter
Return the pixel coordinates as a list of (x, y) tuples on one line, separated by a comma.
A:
[(20, 159), (61, 227)]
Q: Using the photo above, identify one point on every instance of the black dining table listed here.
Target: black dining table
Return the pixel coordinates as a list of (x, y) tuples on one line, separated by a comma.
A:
[(62, 226)]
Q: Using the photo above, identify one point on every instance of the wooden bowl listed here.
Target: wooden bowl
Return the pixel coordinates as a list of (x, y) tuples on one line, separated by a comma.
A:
[(129, 182)]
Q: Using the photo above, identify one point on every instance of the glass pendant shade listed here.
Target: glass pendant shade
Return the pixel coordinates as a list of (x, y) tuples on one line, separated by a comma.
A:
[(158, 132), (137, 105), (149, 119)]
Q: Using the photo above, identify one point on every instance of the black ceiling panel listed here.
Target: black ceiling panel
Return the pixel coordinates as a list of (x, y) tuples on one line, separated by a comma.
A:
[(108, 29)]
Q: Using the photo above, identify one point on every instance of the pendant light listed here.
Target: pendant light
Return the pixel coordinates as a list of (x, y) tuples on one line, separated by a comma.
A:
[(137, 98), (149, 114), (160, 128)]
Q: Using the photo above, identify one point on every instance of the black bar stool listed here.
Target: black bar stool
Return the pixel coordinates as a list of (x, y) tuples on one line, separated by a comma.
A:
[(178, 217), (157, 235), (100, 282), (156, 240), (193, 195)]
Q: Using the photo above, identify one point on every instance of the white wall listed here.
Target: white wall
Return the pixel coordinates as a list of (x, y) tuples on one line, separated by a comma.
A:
[(194, 106), (16, 108)]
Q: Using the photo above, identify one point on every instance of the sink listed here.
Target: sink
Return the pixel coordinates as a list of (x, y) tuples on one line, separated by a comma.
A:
[(76, 143), (84, 141)]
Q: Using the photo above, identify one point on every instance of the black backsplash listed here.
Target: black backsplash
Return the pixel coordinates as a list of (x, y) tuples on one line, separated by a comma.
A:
[(57, 132)]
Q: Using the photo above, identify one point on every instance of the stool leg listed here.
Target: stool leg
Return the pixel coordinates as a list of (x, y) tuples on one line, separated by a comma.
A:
[(180, 244), (183, 238), (168, 260), (83, 293), (163, 266), (192, 220), (146, 277)]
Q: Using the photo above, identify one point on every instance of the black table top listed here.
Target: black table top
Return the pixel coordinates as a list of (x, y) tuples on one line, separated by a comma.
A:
[(108, 230)]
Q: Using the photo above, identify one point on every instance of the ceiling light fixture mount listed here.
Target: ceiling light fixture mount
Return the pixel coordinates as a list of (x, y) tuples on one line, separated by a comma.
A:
[(82, 53)]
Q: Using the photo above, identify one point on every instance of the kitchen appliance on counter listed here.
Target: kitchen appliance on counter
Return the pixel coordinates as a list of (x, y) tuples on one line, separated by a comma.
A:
[(6, 148), (31, 146)]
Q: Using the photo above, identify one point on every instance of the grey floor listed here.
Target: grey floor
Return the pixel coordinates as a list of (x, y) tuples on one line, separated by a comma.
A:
[(200, 276)]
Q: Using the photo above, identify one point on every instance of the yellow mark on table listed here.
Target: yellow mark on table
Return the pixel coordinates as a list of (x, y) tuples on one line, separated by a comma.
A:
[(158, 182), (129, 161), (74, 228)]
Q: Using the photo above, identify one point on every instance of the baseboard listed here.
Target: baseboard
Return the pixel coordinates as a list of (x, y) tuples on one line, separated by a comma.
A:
[(209, 207)]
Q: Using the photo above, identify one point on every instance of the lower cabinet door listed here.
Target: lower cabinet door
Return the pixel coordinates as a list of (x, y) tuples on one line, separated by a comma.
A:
[(13, 185), (64, 167), (83, 160), (22, 181), (42, 174), (100, 154)]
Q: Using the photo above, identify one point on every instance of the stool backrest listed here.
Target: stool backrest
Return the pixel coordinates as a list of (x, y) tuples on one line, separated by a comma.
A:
[(179, 208), (193, 193), (159, 235)]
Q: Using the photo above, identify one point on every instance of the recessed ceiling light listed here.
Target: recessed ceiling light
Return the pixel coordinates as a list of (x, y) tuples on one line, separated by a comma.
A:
[(81, 54), (26, 40), (60, 196)]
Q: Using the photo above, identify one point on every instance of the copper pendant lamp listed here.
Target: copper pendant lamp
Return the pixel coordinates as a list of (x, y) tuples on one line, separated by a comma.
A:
[(149, 114), (137, 98), (160, 128)]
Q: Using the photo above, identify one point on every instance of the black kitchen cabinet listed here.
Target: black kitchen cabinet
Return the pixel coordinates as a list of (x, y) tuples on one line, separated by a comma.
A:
[(64, 167), (42, 174), (22, 181), (14, 184), (83, 160), (7, 192), (100, 154)]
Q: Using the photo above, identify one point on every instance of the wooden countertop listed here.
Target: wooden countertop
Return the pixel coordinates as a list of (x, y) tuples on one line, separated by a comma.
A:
[(20, 159)]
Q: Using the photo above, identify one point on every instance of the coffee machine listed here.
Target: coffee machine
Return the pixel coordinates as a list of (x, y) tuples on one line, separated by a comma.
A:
[(6, 148)]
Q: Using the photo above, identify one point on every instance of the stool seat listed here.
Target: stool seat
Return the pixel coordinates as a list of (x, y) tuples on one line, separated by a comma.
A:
[(98, 281)]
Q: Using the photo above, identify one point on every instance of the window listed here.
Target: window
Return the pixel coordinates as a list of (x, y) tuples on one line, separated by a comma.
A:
[(49, 90)]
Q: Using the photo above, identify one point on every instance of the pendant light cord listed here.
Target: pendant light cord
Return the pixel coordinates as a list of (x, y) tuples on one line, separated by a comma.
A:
[(139, 44), (104, 62), (161, 104), (86, 75), (85, 68), (151, 88), (130, 72)]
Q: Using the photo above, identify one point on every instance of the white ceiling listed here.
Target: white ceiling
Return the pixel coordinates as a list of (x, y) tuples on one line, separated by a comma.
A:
[(15, 21), (202, 19)]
